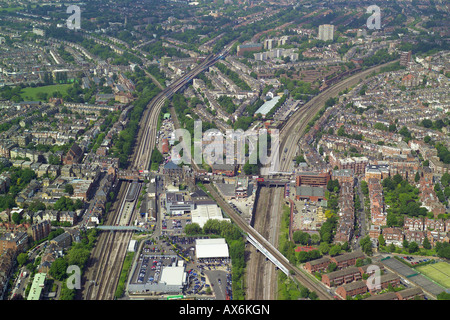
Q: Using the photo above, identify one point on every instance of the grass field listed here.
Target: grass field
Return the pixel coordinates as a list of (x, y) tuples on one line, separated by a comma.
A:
[(30, 93), (439, 272)]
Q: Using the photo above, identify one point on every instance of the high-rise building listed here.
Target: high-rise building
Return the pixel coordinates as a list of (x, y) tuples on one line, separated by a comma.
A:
[(326, 32)]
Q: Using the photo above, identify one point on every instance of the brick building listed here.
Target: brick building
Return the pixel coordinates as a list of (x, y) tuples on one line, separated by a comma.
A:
[(351, 289), (393, 235), (74, 155), (343, 276), (314, 179), (347, 259), (317, 265), (40, 230), (15, 241), (384, 282)]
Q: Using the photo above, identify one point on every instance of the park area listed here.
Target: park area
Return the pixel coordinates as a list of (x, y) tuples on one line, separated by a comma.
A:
[(42, 93), (439, 272)]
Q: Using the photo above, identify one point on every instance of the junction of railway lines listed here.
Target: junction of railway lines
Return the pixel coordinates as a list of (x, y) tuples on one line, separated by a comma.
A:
[(146, 141)]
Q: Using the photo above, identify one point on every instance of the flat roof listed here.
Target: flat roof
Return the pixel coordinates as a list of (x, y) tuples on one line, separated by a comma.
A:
[(173, 276), (211, 248), (203, 213), (37, 286), (268, 105)]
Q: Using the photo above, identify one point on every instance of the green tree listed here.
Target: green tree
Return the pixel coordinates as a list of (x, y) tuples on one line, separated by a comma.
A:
[(331, 267), (22, 258), (413, 247), (335, 250), (426, 244), (417, 177), (16, 217), (58, 269), (68, 188), (366, 245), (381, 240), (193, 228), (301, 237)]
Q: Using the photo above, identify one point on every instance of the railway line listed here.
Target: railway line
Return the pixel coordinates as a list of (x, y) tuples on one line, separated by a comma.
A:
[(289, 136), (294, 128), (241, 223), (107, 257), (149, 122), (263, 282), (111, 248)]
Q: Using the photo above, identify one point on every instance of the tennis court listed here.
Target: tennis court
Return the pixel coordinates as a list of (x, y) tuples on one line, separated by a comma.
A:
[(439, 272)]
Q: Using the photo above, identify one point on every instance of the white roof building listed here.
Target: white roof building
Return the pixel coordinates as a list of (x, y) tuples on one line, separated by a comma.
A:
[(173, 276), (211, 248), (132, 246), (203, 213)]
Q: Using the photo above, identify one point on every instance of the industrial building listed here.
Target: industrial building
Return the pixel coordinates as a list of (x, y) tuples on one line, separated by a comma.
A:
[(211, 249), (203, 213)]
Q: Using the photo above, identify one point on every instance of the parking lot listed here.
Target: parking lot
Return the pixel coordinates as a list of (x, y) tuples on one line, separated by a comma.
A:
[(175, 225), (149, 267), (414, 260), (208, 278), (243, 206)]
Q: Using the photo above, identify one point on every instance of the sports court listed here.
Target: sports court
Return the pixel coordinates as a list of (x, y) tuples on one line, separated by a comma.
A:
[(439, 272), (414, 276)]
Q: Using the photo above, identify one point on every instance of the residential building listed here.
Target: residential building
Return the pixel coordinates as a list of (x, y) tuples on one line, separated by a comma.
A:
[(342, 276), (347, 259), (351, 289), (15, 241)]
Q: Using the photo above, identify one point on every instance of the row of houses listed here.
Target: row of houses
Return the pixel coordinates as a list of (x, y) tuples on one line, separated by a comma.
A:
[(393, 235), (351, 280), (346, 223)]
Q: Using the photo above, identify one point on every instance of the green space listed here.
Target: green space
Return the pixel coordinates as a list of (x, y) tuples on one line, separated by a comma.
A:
[(401, 199), (41, 93), (11, 9), (439, 272), (124, 275)]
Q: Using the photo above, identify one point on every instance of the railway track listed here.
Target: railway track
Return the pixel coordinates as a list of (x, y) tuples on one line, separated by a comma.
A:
[(296, 273), (293, 130), (107, 257)]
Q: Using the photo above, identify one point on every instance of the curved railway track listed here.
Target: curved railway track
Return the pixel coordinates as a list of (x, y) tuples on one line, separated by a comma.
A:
[(294, 128)]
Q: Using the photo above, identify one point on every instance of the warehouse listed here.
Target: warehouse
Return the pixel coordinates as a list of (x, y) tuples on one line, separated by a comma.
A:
[(211, 248), (203, 213)]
